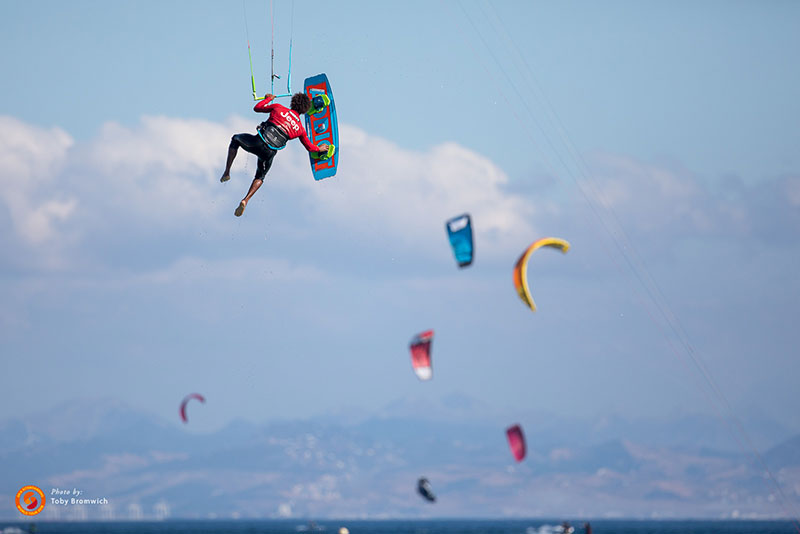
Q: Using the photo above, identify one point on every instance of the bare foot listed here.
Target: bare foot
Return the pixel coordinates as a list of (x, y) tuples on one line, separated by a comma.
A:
[(240, 209), (225, 178)]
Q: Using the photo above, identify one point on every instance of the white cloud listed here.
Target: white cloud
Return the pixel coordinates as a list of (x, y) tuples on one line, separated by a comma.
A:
[(31, 164), (29, 153), (667, 201), (38, 222), (652, 196), (164, 170), (162, 175), (407, 195)]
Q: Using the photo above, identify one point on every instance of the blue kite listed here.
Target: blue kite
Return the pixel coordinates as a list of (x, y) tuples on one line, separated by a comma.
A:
[(459, 231)]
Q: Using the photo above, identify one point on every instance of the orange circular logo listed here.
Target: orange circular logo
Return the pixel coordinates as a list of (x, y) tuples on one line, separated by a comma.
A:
[(30, 500)]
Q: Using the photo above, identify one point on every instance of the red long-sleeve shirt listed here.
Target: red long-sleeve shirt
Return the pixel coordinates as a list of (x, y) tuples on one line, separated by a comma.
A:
[(287, 120)]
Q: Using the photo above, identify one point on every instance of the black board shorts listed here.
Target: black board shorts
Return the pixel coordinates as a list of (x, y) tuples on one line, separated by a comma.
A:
[(255, 145)]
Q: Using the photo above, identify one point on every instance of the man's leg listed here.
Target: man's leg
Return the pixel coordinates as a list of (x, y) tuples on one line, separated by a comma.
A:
[(232, 149), (253, 188), (261, 171)]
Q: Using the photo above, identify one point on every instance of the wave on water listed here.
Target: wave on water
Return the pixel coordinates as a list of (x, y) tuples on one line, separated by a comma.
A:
[(550, 529)]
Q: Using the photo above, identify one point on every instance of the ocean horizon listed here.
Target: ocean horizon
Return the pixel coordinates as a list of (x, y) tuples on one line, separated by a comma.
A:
[(404, 526)]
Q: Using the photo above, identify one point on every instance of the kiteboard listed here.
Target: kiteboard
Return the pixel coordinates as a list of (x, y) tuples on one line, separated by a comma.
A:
[(322, 126)]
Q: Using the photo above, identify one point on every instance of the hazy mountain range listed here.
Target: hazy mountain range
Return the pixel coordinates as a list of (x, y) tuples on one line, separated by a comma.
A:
[(345, 466)]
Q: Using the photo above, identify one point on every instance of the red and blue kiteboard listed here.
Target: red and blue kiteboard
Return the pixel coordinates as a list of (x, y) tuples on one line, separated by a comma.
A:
[(322, 126)]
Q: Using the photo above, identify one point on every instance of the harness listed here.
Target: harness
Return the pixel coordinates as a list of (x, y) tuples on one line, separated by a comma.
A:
[(274, 137)]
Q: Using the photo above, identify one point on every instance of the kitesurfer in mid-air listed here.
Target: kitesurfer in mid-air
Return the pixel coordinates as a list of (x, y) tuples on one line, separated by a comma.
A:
[(282, 125)]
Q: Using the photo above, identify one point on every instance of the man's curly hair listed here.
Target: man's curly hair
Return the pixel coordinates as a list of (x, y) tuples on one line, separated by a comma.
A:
[(301, 103)]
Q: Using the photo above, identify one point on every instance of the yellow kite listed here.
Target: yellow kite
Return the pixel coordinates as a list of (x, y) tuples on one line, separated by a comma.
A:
[(521, 268)]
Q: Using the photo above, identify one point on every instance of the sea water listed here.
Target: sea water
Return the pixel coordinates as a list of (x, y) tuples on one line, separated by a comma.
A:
[(444, 526)]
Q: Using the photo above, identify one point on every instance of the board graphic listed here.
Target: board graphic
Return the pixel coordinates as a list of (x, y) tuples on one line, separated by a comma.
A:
[(322, 126)]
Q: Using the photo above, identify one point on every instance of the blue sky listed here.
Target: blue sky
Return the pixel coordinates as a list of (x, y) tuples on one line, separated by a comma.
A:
[(659, 139)]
